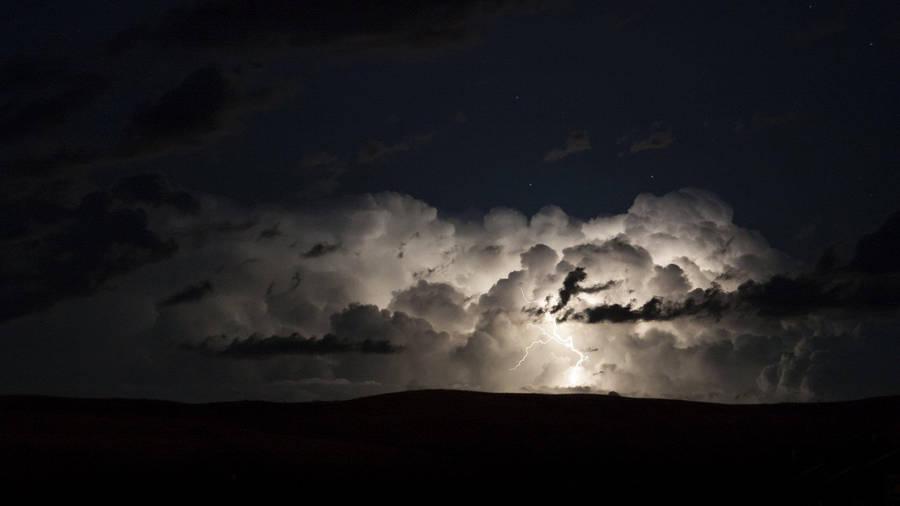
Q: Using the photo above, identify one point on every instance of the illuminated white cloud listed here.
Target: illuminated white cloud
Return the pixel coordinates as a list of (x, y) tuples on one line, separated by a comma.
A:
[(458, 302)]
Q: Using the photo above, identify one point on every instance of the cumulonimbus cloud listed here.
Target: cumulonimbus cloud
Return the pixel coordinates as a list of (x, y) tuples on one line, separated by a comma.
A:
[(670, 298)]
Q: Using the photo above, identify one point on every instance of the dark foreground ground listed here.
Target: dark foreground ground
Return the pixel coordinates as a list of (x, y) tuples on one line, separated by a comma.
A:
[(571, 446)]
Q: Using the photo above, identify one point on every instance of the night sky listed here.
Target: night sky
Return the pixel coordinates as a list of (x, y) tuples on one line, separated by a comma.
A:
[(219, 200)]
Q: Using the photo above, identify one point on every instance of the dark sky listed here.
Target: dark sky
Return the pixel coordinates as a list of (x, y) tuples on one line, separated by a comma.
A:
[(127, 127)]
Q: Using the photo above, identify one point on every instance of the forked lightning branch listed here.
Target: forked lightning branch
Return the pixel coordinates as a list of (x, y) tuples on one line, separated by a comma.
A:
[(552, 336)]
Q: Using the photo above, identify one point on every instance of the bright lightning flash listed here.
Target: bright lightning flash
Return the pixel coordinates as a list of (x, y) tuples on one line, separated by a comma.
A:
[(552, 336)]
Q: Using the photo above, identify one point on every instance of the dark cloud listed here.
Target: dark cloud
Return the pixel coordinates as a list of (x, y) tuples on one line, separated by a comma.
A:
[(194, 106), (58, 253), (367, 321), (190, 293), (656, 140), (762, 122), (571, 286), (845, 366), (725, 368), (780, 297), (270, 232), (869, 284), (45, 92), (53, 250), (200, 107), (439, 303), (491, 249), (155, 190), (234, 25), (372, 150), (320, 249), (256, 347), (228, 227), (710, 302), (577, 141), (207, 102), (846, 292)]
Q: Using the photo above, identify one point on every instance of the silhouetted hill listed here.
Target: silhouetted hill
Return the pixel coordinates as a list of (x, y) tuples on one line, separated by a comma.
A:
[(831, 452)]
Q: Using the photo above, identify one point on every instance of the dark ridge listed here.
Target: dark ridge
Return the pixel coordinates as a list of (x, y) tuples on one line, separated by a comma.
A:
[(809, 453)]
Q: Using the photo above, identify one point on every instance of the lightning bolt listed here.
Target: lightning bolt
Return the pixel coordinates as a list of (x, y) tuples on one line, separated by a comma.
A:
[(552, 336)]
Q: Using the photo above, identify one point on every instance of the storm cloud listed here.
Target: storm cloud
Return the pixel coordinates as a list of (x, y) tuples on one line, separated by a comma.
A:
[(670, 298), (262, 347), (232, 25)]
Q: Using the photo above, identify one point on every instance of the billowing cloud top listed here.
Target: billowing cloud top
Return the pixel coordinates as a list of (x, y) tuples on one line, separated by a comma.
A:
[(379, 292)]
